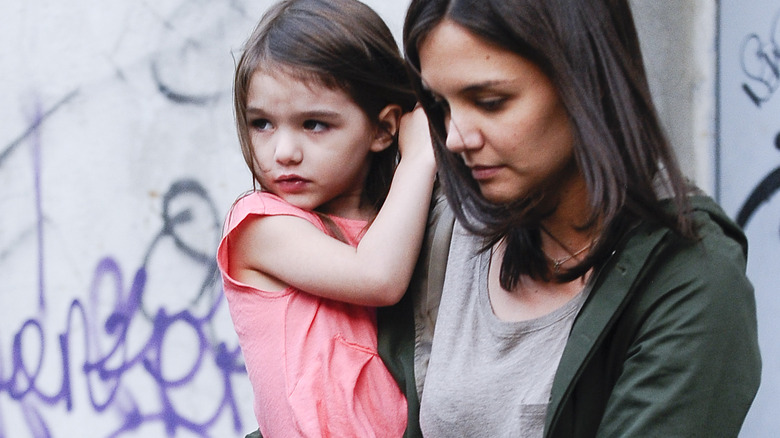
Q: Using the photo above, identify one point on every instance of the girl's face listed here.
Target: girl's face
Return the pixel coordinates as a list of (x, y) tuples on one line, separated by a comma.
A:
[(502, 114), (311, 143)]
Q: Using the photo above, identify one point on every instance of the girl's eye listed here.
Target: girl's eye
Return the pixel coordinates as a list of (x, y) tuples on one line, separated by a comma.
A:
[(260, 124), (315, 126)]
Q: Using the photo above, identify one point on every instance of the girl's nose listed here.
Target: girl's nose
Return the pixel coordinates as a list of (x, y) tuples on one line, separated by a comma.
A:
[(462, 137), (287, 151)]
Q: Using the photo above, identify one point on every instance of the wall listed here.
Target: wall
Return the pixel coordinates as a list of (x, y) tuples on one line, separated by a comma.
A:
[(677, 38), (118, 161), (749, 177)]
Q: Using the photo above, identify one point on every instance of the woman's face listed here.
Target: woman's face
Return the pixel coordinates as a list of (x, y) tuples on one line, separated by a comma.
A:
[(502, 114)]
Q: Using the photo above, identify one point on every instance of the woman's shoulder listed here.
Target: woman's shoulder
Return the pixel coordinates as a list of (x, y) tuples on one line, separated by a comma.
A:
[(712, 264), (718, 239), (668, 283)]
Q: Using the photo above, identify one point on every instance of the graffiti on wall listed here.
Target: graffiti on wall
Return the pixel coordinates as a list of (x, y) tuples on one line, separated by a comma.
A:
[(127, 354), (761, 194), (760, 61), (749, 170), (122, 333), (112, 350), (761, 64)]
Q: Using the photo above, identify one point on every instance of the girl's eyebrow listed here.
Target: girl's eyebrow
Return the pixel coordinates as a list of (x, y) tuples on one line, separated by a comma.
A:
[(321, 114), (254, 110), (311, 114)]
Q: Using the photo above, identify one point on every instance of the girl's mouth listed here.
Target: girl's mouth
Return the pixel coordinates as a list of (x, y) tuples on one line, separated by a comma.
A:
[(291, 183)]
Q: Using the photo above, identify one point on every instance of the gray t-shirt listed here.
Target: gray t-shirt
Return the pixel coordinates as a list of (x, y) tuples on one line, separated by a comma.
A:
[(488, 377)]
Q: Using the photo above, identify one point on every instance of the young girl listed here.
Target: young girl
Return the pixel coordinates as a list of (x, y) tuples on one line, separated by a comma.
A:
[(319, 94)]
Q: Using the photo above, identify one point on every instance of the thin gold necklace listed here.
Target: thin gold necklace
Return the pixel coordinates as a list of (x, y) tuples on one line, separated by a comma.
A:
[(558, 262)]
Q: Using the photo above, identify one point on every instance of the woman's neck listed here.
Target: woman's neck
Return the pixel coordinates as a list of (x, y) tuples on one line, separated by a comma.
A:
[(569, 233)]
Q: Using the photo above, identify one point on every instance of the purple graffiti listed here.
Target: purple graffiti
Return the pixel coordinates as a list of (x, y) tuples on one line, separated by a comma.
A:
[(105, 366), (135, 347), (761, 64), (117, 336)]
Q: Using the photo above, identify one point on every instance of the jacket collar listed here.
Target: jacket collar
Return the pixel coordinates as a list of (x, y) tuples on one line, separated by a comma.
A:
[(610, 294), (611, 289)]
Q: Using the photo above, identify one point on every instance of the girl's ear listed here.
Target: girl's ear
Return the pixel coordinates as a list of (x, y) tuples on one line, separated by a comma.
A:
[(387, 127)]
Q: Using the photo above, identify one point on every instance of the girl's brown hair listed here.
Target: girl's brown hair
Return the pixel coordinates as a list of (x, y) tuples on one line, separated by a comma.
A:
[(341, 44)]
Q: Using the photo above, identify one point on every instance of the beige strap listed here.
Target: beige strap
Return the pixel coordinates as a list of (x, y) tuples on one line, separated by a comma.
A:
[(430, 281)]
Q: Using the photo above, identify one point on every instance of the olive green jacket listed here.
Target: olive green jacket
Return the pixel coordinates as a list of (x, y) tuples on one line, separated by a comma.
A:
[(665, 346)]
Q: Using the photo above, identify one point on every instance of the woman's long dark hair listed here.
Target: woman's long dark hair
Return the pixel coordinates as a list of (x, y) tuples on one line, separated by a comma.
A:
[(590, 51), (341, 44)]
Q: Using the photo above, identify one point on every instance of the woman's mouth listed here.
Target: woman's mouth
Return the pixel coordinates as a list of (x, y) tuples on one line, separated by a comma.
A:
[(481, 173)]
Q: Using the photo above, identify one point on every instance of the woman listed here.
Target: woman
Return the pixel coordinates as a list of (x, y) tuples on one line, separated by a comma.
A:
[(589, 289)]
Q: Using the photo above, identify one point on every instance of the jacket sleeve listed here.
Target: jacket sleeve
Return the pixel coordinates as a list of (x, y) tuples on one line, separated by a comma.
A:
[(692, 365)]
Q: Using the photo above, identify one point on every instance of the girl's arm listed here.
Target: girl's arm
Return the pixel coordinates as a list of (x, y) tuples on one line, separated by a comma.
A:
[(276, 251)]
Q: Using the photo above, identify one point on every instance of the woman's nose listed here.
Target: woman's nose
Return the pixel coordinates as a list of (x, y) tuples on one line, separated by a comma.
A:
[(287, 151), (462, 137)]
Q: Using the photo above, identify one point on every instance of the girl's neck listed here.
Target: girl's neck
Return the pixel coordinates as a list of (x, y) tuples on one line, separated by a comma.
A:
[(351, 207)]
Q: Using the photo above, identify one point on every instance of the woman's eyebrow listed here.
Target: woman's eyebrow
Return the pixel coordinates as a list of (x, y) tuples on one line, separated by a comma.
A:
[(475, 87), (479, 86)]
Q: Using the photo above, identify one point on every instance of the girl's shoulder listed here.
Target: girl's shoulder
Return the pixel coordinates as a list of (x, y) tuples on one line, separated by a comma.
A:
[(261, 203)]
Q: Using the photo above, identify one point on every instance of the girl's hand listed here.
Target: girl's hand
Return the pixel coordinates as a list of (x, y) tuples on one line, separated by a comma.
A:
[(414, 136)]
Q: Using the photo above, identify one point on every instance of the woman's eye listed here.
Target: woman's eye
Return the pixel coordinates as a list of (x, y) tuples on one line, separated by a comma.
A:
[(260, 124), (315, 125), (441, 104), (491, 104)]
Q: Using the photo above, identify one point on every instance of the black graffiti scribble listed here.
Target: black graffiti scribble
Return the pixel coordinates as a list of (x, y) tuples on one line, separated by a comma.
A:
[(761, 64), (188, 202), (761, 193), (193, 67)]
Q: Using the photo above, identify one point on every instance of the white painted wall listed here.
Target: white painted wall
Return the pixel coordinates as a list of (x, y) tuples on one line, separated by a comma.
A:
[(749, 145), (118, 160), (678, 44)]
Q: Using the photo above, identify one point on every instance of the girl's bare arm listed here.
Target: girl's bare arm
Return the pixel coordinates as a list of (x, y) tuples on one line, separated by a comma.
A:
[(285, 250)]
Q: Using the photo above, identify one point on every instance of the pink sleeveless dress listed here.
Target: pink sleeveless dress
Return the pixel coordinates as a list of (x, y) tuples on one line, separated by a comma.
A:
[(312, 362)]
